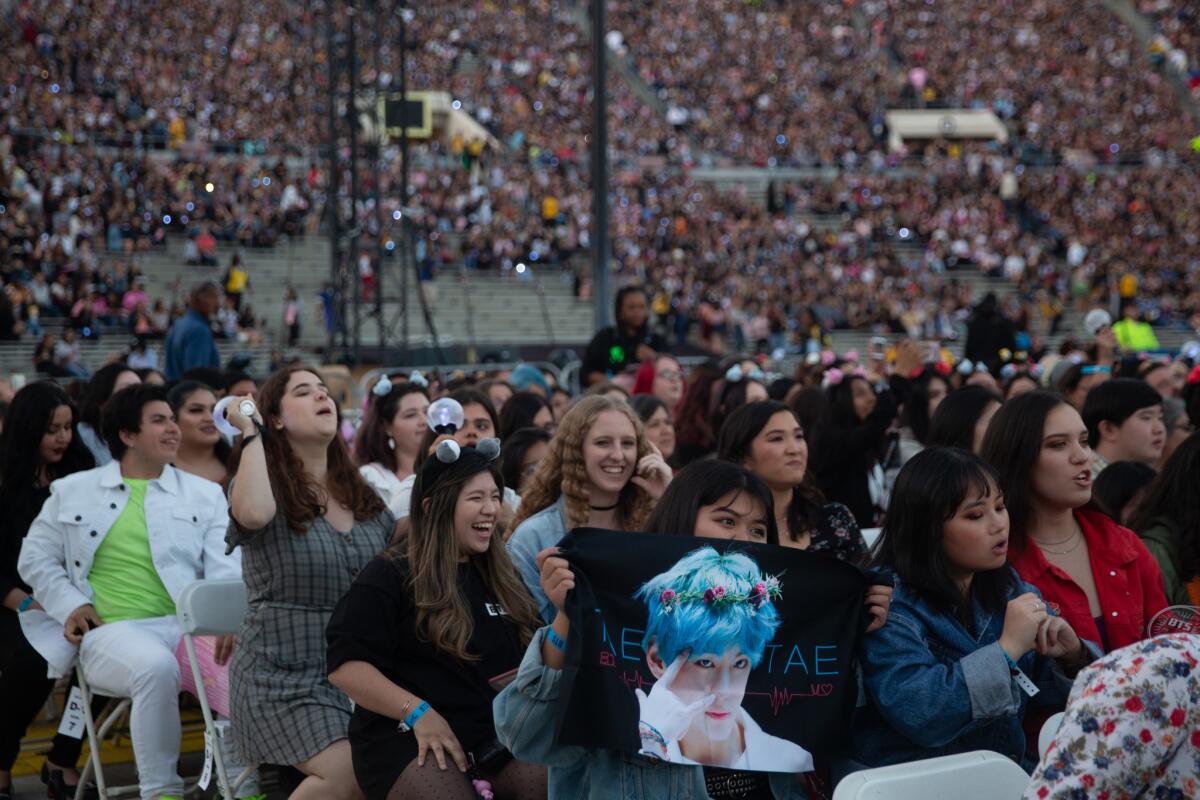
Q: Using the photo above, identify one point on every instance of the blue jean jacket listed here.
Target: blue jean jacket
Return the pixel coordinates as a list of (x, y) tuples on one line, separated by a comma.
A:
[(524, 714), (934, 689), (544, 529)]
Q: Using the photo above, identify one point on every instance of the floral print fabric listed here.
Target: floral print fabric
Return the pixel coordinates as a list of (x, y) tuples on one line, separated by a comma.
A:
[(1131, 729), (838, 533)]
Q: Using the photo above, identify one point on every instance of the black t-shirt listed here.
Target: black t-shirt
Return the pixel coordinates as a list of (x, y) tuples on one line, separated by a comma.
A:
[(375, 622), (611, 350), (20, 510)]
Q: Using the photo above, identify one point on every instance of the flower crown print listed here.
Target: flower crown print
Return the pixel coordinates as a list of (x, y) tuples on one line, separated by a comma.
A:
[(718, 597)]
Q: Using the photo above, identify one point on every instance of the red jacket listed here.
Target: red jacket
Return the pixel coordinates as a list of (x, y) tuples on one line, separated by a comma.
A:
[(1129, 584), (644, 382)]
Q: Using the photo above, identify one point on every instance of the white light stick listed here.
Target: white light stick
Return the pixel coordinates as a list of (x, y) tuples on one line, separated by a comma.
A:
[(445, 416), (245, 406)]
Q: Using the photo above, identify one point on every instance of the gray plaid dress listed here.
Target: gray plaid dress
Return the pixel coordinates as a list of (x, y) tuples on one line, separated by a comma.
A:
[(283, 708)]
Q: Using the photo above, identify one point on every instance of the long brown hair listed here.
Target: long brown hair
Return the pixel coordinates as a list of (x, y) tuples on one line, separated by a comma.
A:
[(564, 473), (299, 498), (432, 551), (371, 442)]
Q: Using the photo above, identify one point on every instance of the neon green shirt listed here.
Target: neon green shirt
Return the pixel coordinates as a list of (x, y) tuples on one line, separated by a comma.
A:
[(125, 584)]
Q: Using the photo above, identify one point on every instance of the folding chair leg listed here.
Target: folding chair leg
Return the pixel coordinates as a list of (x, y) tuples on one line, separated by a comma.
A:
[(211, 730), (93, 763), (241, 779)]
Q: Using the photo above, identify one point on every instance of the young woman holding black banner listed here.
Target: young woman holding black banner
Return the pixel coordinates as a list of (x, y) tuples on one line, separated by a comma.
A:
[(427, 634), (967, 642), (711, 499), (600, 472)]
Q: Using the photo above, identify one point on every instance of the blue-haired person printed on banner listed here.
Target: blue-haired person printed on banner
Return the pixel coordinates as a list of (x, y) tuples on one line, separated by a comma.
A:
[(711, 617)]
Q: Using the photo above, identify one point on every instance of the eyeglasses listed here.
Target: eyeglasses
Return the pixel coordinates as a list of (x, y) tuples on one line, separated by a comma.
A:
[(670, 374)]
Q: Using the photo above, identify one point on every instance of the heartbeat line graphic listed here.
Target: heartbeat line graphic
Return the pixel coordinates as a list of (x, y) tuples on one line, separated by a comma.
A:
[(778, 698), (635, 679)]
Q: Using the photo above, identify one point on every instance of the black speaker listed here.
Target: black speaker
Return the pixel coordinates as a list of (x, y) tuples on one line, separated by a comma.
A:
[(412, 111)]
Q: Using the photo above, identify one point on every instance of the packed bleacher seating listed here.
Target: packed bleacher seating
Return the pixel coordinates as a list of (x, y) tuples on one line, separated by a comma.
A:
[(528, 193)]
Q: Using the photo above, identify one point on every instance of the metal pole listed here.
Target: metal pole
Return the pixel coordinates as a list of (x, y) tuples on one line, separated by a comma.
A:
[(601, 290), (405, 241), (377, 172), (333, 185), (351, 279)]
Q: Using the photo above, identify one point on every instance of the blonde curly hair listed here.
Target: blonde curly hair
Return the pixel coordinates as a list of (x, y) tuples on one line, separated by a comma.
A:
[(563, 471)]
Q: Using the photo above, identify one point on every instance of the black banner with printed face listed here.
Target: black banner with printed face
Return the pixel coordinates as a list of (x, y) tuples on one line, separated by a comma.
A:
[(703, 651)]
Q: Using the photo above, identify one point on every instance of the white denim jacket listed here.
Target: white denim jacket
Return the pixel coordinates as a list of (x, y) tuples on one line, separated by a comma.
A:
[(186, 518)]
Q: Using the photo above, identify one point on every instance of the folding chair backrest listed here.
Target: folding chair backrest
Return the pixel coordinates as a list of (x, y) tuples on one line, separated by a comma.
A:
[(212, 608), (871, 535), (978, 775), (1049, 731)]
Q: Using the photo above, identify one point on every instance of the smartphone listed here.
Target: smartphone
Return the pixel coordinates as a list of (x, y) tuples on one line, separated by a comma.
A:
[(933, 351), (877, 349)]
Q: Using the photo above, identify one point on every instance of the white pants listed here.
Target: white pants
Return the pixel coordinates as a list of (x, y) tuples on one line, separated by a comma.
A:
[(136, 659)]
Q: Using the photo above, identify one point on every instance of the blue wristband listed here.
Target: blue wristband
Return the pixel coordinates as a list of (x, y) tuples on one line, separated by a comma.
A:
[(416, 714), (25, 604), (555, 640)]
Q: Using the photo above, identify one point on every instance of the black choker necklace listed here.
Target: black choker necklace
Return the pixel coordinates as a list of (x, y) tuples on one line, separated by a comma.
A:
[(605, 508)]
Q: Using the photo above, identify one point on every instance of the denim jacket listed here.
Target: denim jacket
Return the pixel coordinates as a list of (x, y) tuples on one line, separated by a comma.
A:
[(525, 713), (936, 689), (544, 529)]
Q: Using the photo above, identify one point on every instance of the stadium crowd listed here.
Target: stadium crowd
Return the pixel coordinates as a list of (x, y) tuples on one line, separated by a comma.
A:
[(793, 86), (1038, 480)]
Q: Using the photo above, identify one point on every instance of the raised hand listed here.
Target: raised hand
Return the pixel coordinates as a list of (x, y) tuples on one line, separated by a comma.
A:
[(652, 473), (877, 601), (664, 712), (1056, 638), (556, 577), (1022, 618)]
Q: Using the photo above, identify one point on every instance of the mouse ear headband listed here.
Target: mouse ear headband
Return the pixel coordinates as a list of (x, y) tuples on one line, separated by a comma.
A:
[(383, 386), (450, 457)]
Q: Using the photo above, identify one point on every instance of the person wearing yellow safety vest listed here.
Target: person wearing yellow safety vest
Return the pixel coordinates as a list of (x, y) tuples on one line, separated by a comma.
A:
[(236, 281), (1133, 334)]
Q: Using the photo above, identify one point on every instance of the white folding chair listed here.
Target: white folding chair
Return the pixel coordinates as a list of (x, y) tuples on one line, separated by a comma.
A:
[(979, 775), (212, 608), (96, 734), (871, 535), (1048, 732)]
